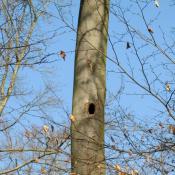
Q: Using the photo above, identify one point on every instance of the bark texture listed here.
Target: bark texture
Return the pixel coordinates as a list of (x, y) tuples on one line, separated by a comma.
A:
[(87, 128)]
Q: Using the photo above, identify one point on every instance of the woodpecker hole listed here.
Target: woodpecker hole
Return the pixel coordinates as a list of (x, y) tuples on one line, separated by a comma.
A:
[(91, 108)]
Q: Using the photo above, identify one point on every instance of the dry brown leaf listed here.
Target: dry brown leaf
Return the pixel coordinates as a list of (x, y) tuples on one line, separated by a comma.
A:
[(150, 30), (36, 160), (72, 118), (122, 173), (172, 129), (168, 88), (113, 147), (161, 125), (43, 170), (130, 153), (128, 45), (156, 2), (117, 167), (28, 134), (134, 172), (45, 128), (63, 55)]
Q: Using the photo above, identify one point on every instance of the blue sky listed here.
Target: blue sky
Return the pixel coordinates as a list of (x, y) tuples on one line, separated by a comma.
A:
[(67, 43), (61, 72)]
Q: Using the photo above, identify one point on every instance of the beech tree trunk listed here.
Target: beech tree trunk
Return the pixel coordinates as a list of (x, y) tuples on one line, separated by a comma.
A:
[(87, 128)]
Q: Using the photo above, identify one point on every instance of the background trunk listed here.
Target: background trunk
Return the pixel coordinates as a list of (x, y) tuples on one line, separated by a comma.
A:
[(87, 128)]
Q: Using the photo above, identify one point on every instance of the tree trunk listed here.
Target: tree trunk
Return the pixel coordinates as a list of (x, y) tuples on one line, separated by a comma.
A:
[(87, 128)]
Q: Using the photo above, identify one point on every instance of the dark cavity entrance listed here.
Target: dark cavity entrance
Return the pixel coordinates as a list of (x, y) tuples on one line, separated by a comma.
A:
[(91, 108)]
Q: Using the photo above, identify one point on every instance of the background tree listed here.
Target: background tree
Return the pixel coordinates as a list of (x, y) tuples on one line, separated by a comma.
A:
[(141, 112), (31, 139)]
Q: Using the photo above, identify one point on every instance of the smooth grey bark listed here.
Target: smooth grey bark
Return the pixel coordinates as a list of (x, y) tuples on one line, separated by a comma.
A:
[(87, 130)]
